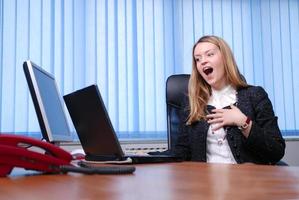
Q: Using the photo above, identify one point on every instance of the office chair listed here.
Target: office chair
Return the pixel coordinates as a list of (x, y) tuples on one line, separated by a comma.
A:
[(176, 92)]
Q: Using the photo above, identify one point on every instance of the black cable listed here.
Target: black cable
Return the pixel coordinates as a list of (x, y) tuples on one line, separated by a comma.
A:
[(98, 170)]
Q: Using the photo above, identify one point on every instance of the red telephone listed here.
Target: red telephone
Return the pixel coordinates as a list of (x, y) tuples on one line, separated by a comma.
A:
[(12, 154)]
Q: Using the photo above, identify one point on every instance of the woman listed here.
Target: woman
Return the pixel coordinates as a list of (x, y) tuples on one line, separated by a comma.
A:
[(226, 120)]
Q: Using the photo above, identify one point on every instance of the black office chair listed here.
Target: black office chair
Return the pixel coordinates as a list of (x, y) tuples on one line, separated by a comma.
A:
[(176, 91)]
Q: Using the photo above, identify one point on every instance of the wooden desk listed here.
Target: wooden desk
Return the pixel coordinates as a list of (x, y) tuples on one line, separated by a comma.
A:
[(186, 180)]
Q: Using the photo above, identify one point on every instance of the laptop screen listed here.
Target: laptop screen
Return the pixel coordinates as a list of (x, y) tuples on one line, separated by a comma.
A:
[(92, 123), (48, 103)]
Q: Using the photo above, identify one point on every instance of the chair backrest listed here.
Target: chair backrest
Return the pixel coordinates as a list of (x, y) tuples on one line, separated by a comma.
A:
[(176, 92)]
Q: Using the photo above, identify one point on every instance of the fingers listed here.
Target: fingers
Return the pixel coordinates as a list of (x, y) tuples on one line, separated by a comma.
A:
[(223, 117), (215, 120), (212, 116), (217, 126), (218, 110)]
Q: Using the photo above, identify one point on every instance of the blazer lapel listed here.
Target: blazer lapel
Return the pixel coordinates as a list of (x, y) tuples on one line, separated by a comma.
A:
[(242, 101)]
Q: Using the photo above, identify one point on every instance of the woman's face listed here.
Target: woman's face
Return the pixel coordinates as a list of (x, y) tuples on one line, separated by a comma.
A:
[(209, 64)]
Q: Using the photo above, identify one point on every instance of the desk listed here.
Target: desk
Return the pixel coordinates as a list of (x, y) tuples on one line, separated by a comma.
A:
[(187, 180)]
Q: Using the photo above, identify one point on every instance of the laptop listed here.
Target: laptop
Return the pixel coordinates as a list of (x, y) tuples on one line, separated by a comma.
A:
[(95, 131)]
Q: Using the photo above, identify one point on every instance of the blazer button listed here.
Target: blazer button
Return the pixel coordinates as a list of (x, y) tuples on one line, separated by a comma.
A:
[(235, 145), (231, 137)]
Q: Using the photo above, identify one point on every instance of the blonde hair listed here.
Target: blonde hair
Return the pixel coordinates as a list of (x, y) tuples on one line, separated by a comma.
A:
[(199, 90)]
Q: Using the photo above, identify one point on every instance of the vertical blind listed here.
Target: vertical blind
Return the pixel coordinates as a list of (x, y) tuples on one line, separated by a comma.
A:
[(130, 47)]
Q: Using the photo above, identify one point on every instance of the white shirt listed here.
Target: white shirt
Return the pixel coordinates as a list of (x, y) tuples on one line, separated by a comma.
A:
[(218, 150)]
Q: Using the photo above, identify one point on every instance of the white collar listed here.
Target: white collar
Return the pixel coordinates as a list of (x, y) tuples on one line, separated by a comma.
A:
[(227, 90), (223, 97)]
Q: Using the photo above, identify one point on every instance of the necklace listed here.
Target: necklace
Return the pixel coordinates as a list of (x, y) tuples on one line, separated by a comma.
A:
[(221, 140)]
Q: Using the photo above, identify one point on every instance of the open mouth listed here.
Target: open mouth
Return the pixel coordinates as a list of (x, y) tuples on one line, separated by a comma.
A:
[(208, 70)]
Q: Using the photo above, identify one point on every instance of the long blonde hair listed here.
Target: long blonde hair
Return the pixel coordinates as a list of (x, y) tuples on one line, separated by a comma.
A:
[(199, 90)]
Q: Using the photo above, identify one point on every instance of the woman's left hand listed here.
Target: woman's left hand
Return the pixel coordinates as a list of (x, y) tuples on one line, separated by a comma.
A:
[(225, 117)]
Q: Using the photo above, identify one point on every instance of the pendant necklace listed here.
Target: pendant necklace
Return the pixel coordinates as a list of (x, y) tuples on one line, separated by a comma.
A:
[(220, 140)]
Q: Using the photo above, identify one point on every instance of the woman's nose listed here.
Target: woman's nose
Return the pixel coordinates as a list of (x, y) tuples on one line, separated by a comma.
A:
[(203, 62)]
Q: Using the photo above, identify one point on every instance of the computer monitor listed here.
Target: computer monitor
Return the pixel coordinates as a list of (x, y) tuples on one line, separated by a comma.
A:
[(48, 104)]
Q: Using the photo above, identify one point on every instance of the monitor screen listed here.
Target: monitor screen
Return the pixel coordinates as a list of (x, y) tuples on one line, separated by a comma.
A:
[(48, 103)]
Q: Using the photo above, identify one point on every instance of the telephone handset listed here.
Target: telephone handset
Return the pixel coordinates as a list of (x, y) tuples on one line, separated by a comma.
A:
[(53, 159), (14, 154)]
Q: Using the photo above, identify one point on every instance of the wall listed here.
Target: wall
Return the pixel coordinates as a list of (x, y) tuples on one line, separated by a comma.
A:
[(291, 156)]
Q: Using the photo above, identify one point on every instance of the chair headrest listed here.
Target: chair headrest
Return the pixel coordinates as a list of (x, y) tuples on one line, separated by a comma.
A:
[(177, 89)]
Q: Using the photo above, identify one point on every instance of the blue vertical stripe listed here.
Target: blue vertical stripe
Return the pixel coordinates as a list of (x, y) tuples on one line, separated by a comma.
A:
[(8, 72), (294, 32), (21, 97), (14, 68), (286, 63), (291, 65), (1, 59)]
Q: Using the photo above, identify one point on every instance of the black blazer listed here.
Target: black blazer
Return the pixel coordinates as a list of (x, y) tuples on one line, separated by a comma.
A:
[(264, 144)]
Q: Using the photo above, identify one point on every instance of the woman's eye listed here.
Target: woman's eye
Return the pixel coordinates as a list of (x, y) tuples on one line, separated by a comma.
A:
[(197, 59), (210, 54)]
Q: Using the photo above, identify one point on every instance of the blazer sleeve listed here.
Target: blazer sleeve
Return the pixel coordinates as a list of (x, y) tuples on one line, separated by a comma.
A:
[(265, 138)]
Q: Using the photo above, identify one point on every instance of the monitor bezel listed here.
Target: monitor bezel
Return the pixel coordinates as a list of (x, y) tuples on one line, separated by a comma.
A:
[(43, 121)]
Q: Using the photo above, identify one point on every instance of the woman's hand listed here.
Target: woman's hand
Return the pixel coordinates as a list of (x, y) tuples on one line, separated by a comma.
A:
[(225, 117)]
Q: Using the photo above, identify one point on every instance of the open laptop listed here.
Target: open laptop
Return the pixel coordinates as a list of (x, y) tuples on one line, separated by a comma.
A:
[(95, 130)]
